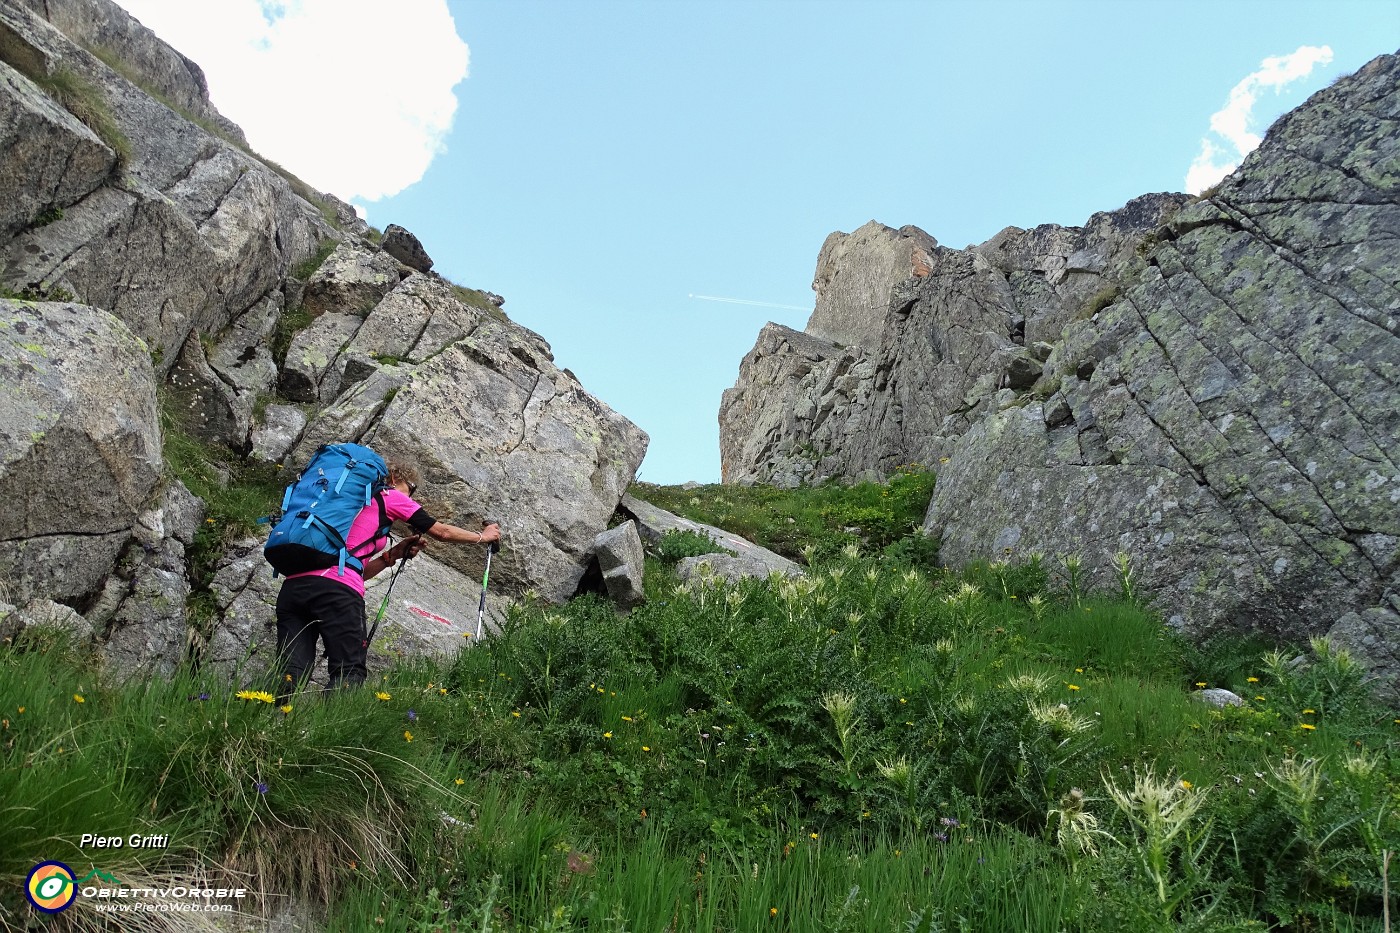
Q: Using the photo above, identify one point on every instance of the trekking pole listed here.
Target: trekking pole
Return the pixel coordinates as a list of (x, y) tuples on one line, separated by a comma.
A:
[(481, 607), (384, 603)]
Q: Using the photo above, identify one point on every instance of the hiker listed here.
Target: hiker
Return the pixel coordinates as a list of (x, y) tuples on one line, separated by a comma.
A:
[(329, 603)]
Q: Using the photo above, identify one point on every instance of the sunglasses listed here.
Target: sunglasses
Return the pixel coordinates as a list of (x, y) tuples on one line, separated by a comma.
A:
[(412, 488)]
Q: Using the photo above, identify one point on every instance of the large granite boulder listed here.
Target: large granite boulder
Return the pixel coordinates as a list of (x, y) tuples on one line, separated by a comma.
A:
[(351, 280), (856, 272), (81, 452), (1232, 421), (406, 248), (501, 433), (622, 561)]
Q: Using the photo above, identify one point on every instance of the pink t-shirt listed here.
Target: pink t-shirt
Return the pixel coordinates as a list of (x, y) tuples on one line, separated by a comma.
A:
[(397, 506)]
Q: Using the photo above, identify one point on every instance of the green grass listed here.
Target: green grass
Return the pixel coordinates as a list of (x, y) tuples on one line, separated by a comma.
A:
[(872, 747), (308, 266), (290, 323), (86, 101), (236, 492), (812, 523), (475, 298)]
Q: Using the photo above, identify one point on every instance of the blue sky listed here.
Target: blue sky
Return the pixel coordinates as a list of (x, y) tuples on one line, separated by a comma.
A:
[(607, 160)]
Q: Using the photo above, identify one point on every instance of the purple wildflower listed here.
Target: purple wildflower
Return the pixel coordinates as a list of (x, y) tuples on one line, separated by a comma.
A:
[(412, 716), (941, 837), (262, 788), (948, 821)]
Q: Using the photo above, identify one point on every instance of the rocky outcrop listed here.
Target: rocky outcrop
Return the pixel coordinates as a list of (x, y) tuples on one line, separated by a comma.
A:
[(1210, 387), (277, 321), (501, 433), (81, 446), (1232, 421), (152, 210), (910, 342)]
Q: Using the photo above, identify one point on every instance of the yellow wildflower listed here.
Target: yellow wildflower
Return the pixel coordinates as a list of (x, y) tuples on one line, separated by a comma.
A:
[(460, 782), (381, 695), (1251, 680), (607, 735), (1308, 726), (78, 698), (407, 736)]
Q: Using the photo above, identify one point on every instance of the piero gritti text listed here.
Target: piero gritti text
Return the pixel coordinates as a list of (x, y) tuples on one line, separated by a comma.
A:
[(134, 841)]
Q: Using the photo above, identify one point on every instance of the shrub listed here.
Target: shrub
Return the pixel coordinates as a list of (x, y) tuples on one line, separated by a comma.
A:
[(676, 545)]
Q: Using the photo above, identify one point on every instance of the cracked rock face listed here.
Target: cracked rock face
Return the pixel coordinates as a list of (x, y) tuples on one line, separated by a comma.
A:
[(910, 341), (81, 445), (501, 433), (1232, 421)]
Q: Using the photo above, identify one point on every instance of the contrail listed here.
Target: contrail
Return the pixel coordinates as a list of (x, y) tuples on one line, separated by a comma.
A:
[(745, 301)]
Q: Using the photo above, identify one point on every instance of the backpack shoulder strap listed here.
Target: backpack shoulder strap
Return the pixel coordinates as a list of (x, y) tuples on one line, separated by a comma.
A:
[(385, 522)]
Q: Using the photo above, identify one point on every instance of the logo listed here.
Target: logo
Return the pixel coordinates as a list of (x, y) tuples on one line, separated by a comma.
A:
[(51, 887)]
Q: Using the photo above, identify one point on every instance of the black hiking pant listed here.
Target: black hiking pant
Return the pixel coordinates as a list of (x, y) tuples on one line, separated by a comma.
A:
[(309, 608)]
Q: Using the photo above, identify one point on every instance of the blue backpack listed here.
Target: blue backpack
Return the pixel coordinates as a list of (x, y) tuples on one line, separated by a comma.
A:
[(320, 506)]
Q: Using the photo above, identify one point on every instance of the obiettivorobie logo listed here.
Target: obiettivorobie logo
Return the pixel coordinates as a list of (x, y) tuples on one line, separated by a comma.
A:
[(51, 886)]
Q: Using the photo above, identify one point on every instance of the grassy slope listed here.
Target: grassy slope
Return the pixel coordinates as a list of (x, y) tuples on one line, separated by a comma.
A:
[(880, 746)]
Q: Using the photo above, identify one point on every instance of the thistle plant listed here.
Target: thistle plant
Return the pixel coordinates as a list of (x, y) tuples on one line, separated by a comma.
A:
[(1323, 830), (965, 606), (1059, 719), (1036, 604), (1127, 585), (842, 707), (1029, 686), (1162, 814), (1076, 829), (1074, 577), (910, 788), (998, 569)]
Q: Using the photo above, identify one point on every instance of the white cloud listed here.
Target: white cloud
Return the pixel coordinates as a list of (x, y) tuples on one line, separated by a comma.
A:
[(1231, 125), (354, 96)]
